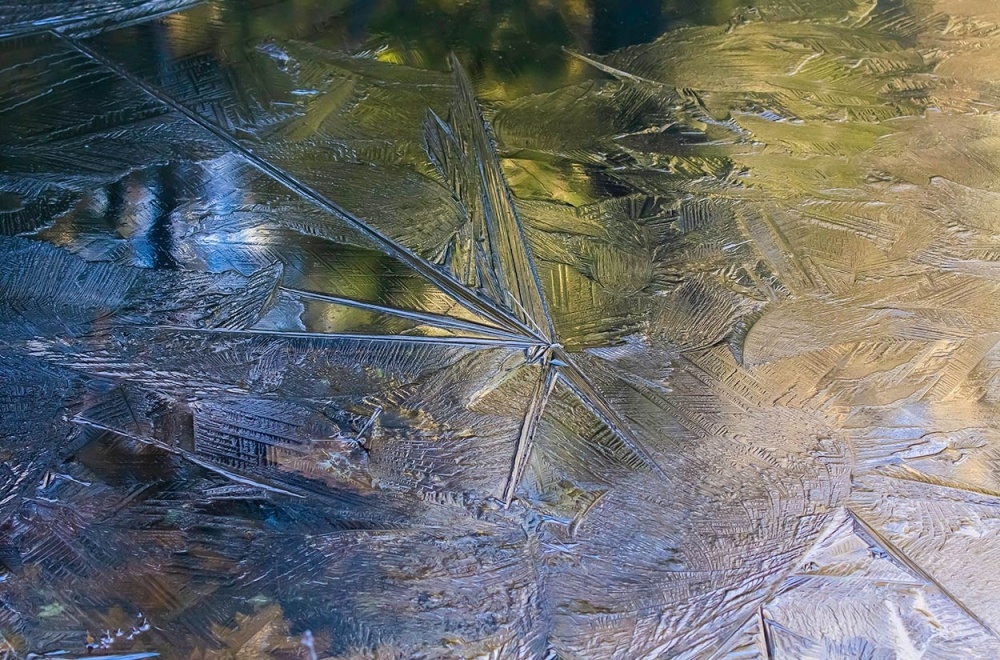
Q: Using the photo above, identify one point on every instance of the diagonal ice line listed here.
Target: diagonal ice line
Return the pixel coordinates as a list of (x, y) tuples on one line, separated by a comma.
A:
[(526, 437), (436, 320), (668, 91), (726, 646), (867, 529), (514, 342), (622, 74), (765, 632), (464, 151), (462, 294), (90, 18), (907, 473), (588, 393), (189, 456)]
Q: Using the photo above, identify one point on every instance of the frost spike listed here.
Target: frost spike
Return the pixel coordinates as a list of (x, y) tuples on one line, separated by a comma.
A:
[(468, 299), (435, 320), (526, 437), (464, 152)]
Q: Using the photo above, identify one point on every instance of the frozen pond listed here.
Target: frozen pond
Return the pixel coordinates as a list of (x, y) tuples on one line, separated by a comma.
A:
[(503, 329)]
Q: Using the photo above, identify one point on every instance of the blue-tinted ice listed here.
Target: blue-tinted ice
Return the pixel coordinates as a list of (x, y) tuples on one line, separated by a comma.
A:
[(331, 331)]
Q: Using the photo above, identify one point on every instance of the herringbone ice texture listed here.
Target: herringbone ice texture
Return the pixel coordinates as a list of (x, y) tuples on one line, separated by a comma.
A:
[(367, 332)]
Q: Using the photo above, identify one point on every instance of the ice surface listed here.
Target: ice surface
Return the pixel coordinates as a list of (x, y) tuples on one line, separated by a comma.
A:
[(326, 343)]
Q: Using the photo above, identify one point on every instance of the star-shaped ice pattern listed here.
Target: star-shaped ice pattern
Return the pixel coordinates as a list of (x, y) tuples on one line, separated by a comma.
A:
[(283, 351)]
